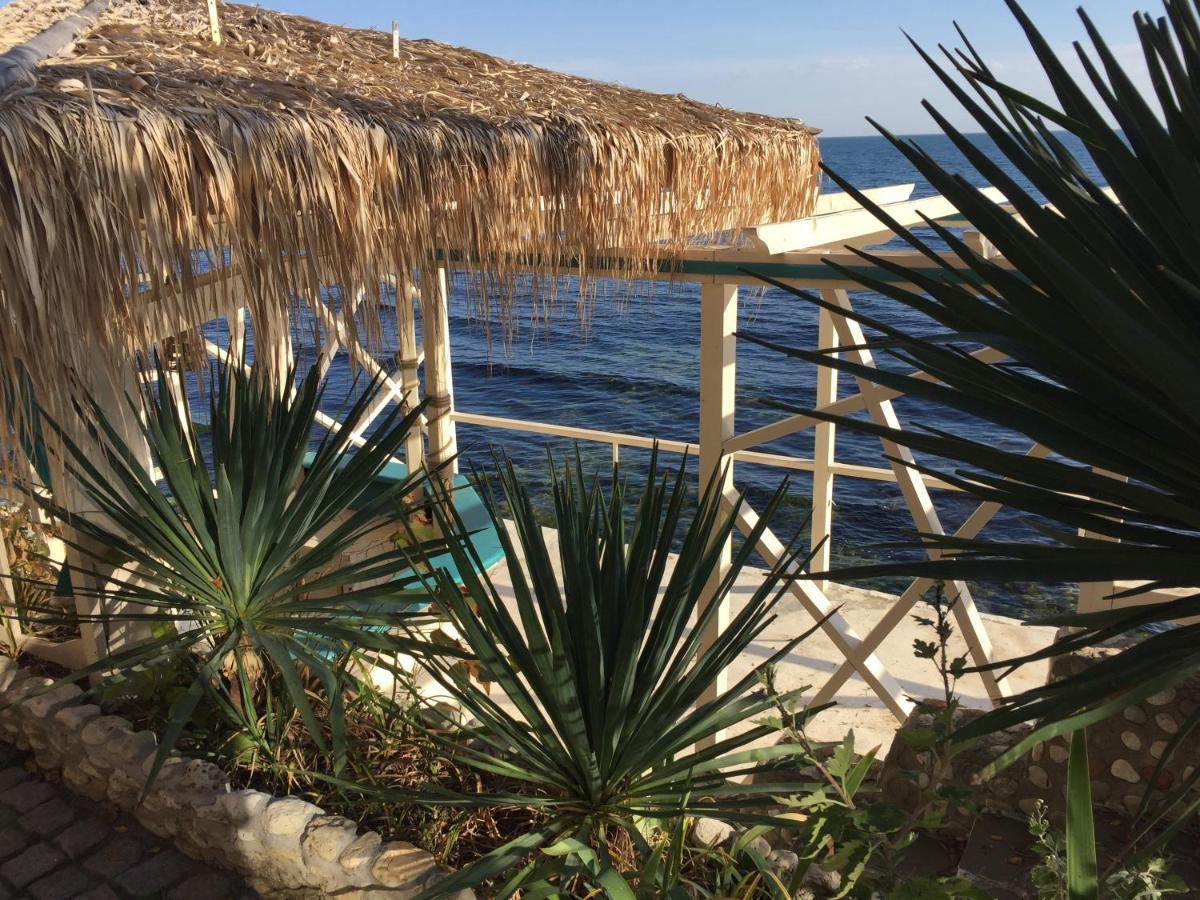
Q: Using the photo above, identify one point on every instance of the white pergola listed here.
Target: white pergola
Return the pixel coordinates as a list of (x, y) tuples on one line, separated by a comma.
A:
[(792, 252)]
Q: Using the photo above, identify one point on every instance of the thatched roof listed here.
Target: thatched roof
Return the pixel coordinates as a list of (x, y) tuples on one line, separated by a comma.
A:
[(316, 157)]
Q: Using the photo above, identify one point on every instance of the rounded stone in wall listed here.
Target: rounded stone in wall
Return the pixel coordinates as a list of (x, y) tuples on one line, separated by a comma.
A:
[(1131, 740), (1166, 722), (1135, 714), (1123, 770)]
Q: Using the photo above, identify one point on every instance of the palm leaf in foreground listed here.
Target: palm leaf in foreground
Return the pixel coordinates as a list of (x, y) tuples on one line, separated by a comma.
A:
[(239, 564), (1095, 304), (607, 676)]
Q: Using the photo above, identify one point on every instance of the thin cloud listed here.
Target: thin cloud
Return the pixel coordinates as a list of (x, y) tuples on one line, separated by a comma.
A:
[(834, 91)]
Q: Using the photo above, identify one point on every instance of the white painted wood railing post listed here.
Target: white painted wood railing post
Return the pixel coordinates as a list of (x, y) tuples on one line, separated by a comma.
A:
[(718, 384), (439, 377), (824, 453)]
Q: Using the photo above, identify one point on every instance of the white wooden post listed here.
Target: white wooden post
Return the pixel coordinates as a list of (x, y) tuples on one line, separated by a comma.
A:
[(10, 628), (406, 327), (439, 378), (278, 339), (718, 384), (214, 22), (823, 457), (115, 391)]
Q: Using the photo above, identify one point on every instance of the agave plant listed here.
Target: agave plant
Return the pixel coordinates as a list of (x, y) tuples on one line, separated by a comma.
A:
[(1096, 304), (236, 561), (612, 715)]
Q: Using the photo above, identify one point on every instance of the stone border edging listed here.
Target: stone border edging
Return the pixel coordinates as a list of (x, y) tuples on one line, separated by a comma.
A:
[(277, 843)]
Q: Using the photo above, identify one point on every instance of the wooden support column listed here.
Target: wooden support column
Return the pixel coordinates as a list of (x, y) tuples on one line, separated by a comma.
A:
[(214, 22), (10, 628), (439, 377), (718, 384), (824, 453), (410, 361), (171, 360), (278, 339), (116, 393)]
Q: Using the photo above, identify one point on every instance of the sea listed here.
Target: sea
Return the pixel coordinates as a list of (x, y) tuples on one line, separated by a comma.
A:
[(631, 365)]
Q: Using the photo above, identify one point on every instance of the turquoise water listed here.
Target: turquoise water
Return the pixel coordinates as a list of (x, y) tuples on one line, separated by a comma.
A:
[(634, 369)]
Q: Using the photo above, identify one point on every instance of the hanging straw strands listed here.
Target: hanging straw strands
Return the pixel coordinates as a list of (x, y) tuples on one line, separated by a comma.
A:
[(309, 156)]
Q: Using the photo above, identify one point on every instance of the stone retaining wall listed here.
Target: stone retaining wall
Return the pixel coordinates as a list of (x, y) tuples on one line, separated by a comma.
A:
[(1123, 755), (281, 844)]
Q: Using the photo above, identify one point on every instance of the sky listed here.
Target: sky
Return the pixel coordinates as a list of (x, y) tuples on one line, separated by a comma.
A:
[(828, 62)]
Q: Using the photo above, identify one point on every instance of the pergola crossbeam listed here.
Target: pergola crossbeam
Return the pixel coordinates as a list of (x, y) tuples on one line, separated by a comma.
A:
[(851, 224)]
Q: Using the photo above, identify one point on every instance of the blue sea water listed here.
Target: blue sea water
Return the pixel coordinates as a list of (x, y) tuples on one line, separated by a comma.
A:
[(634, 368)]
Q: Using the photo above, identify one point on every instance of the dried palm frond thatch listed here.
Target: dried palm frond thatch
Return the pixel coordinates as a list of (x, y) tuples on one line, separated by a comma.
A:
[(309, 155)]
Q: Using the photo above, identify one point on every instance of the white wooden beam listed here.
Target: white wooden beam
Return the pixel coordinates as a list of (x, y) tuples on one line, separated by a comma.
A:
[(850, 224), (840, 201), (903, 605), (843, 407), (820, 607), (919, 502)]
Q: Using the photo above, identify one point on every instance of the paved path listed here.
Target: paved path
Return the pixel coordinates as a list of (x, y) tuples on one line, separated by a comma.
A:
[(55, 845)]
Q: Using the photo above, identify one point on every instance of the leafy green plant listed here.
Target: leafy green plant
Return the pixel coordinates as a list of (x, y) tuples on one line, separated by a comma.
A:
[(849, 828), (239, 561), (1083, 881), (30, 569), (615, 716), (1094, 304), (1068, 868)]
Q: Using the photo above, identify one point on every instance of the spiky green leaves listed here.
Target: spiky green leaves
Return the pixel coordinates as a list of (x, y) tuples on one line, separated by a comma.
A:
[(244, 562), (1095, 304), (609, 689)]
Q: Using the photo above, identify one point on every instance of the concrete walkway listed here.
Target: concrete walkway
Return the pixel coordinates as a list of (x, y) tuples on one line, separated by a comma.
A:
[(816, 658), (55, 845)]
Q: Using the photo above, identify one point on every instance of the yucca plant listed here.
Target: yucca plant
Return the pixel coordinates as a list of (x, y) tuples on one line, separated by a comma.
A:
[(237, 560), (1096, 303), (599, 655)]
